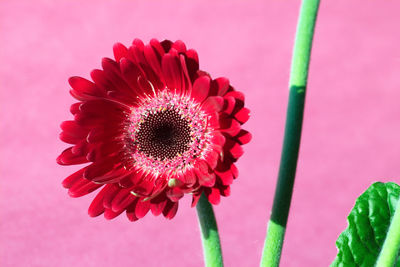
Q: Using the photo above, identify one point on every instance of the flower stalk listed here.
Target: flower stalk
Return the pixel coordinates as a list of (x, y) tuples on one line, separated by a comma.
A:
[(294, 120), (209, 233)]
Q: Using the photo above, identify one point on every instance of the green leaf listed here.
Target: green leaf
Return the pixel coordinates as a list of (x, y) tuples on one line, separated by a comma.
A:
[(369, 220)]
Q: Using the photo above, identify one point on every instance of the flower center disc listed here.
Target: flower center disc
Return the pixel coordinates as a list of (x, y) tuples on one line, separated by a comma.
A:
[(163, 135), (167, 133)]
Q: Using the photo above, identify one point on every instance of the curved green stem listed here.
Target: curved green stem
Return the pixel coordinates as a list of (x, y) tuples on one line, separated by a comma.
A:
[(291, 143), (209, 233), (391, 246)]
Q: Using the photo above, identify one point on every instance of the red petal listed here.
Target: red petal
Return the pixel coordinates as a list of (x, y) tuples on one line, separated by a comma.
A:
[(242, 115), (132, 75), (137, 52), (108, 149), (218, 138), (103, 175), (68, 158), (222, 85), (112, 191), (115, 79), (213, 120), (212, 159), (101, 134), (130, 211), (131, 179), (144, 188), (201, 88), (236, 151), (174, 194), (225, 191), (120, 51), (179, 46), (122, 200), (172, 71), (75, 108), (166, 45), (234, 171), (206, 178), (72, 128), (195, 199), (236, 94), (229, 104), (99, 168), (84, 89), (158, 204), (188, 178), (142, 207), (73, 178), (187, 83), (111, 81), (96, 207), (192, 63), (226, 177), (229, 126), (157, 47), (83, 187), (68, 138), (104, 107), (243, 137), (213, 195), (213, 104), (153, 57), (109, 214), (170, 210)]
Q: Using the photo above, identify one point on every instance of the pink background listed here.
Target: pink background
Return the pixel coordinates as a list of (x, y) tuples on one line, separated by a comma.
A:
[(350, 137)]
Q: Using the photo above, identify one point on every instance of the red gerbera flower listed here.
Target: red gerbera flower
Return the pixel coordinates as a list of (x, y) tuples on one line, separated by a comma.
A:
[(153, 127)]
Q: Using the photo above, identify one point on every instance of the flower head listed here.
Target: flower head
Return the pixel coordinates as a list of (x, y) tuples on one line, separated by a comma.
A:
[(152, 127)]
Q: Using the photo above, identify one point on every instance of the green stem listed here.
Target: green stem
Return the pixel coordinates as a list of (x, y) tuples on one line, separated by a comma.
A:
[(391, 246), (209, 233), (291, 143)]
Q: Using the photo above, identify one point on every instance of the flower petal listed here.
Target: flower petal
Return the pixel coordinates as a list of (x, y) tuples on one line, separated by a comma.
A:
[(73, 178), (120, 51), (158, 204), (122, 200), (142, 208), (205, 176), (201, 88), (172, 71), (133, 76), (243, 137), (195, 199), (112, 191), (109, 214), (170, 210), (96, 207), (213, 104), (213, 195), (174, 194), (179, 46), (229, 126), (192, 63), (222, 85), (212, 159), (68, 158), (83, 187), (242, 115), (83, 89)]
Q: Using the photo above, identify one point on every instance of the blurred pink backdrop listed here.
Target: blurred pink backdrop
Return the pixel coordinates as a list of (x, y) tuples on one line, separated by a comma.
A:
[(350, 136)]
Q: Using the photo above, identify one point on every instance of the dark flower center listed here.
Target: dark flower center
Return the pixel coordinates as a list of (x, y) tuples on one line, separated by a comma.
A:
[(163, 135)]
